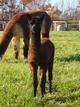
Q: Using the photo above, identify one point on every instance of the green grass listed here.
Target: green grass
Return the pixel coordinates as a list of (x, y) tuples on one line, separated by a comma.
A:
[(16, 82)]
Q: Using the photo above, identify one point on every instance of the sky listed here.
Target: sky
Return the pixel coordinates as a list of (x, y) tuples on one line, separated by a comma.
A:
[(64, 3)]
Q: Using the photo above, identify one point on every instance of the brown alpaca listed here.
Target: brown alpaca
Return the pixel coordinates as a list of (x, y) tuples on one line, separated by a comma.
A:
[(41, 54), (20, 20), (19, 25)]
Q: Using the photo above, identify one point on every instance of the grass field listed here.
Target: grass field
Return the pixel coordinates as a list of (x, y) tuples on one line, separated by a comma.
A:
[(16, 83)]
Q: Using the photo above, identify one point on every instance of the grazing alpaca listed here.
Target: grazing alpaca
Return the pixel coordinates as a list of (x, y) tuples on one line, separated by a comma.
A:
[(19, 26), (41, 54), (19, 21)]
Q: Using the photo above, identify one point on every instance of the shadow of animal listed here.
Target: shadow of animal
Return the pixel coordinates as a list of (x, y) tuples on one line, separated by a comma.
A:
[(70, 58)]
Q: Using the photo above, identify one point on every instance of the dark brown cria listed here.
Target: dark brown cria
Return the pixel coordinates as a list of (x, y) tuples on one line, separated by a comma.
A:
[(41, 54)]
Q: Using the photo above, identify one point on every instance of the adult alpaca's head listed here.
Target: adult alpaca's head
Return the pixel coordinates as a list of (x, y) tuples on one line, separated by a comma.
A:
[(4, 41)]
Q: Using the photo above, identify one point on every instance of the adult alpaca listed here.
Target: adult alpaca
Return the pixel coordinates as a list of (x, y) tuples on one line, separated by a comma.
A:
[(41, 54), (21, 21), (19, 25)]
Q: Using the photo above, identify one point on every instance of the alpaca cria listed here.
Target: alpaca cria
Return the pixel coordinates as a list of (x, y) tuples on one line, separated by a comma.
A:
[(41, 55), (19, 26)]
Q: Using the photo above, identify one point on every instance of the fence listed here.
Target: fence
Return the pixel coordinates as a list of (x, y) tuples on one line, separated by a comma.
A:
[(56, 25), (73, 25), (66, 25)]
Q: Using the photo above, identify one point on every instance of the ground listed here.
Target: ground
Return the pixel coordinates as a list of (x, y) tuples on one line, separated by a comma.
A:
[(16, 88)]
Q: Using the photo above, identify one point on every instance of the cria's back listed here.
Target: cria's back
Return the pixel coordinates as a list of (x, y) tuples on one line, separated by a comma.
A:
[(47, 51)]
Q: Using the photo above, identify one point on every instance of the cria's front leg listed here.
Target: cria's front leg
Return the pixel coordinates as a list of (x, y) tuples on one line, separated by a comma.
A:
[(34, 76)]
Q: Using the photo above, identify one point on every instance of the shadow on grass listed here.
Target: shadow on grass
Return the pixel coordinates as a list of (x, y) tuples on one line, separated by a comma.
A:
[(57, 97), (14, 61), (71, 58), (61, 99), (58, 100)]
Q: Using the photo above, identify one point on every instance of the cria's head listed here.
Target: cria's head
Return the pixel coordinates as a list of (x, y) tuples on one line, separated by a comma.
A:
[(36, 23)]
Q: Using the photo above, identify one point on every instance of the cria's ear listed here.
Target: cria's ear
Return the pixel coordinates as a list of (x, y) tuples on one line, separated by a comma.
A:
[(29, 17)]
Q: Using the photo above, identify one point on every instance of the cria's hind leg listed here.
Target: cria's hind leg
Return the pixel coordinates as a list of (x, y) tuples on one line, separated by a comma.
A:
[(43, 80), (50, 76)]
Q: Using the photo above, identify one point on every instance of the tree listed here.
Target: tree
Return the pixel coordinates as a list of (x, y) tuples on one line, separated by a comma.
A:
[(26, 1), (42, 5), (8, 8), (34, 4)]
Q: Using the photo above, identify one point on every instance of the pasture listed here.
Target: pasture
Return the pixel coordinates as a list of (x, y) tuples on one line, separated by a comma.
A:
[(16, 88)]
